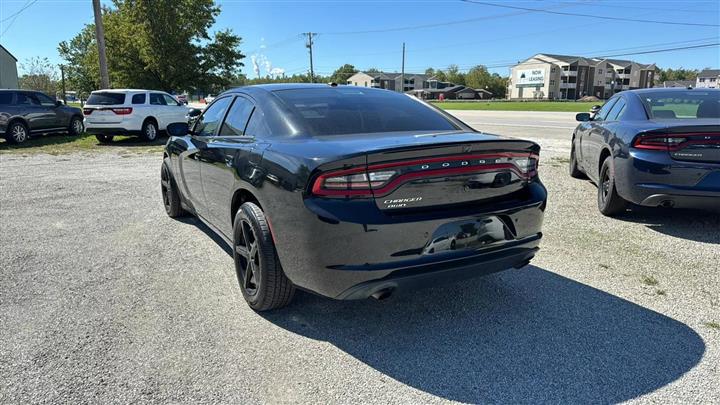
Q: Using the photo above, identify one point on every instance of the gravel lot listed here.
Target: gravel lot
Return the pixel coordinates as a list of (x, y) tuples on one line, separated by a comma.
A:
[(105, 299)]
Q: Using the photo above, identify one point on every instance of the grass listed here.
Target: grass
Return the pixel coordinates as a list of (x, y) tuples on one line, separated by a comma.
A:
[(64, 144), (570, 106), (712, 325)]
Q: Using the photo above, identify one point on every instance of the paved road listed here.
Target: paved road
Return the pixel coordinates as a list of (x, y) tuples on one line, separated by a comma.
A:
[(104, 299)]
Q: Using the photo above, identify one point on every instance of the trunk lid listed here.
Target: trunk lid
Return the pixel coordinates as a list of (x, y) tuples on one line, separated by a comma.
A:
[(423, 171), (696, 140)]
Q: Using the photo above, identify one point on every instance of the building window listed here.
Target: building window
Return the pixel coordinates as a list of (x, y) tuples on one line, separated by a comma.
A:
[(702, 80), (552, 82), (712, 80), (599, 71), (566, 68), (552, 70)]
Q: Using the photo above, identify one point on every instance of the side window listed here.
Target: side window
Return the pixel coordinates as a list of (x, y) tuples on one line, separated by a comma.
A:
[(210, 120), (603, 113), (138, 98), (6, 98), (237, 117), (257, 126), (45, 101), (25, 99), (169, 100), (157, 99), (617, 109)]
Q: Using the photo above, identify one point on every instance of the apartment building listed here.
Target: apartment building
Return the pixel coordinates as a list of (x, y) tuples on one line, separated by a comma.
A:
[(8, 70), (708, 79), (390, 81), (565, 77)]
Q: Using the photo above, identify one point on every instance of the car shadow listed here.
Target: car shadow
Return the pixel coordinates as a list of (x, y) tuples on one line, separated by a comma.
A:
[(696, 225), (41, 140), (190, 220), (522, 336)]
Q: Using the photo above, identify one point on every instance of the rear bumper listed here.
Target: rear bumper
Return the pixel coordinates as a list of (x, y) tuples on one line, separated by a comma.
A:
[(111, 131), (357, 250), (651, 178)]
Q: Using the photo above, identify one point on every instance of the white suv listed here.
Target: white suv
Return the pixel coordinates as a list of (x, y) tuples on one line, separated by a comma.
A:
[(131, 112)]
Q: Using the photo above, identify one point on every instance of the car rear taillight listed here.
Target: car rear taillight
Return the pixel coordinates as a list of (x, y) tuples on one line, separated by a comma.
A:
[(673, 142), (381, 179), (87, 111), (122, 111)]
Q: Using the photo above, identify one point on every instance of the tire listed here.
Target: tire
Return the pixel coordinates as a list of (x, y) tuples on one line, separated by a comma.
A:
[(149, 130), (76, 126), (170, 195), (104, 138), (575, 171), (262, 280), (17, 132), (609, 201)]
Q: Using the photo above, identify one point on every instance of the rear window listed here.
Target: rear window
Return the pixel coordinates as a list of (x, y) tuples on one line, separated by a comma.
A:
[(682, 104), (106, 98), (351, 110)]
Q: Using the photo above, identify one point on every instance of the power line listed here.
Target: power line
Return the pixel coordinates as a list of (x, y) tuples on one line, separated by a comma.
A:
[(539, 10), (441, 24), (28, 4)]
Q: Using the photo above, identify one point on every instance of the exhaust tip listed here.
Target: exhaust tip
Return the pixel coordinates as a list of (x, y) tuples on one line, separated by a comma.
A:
[(382, 294), (667, 204)]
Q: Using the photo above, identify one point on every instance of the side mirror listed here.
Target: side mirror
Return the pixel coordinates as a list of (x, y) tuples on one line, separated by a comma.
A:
[(178, 129), (59, 103), (582, 117), (194, 112)]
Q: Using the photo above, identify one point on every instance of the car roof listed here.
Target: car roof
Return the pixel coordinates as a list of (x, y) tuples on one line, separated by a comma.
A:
[(126, 91), (269, 88), (668, 89)]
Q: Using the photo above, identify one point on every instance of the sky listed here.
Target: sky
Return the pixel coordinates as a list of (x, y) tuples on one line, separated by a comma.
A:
[(370, 34)]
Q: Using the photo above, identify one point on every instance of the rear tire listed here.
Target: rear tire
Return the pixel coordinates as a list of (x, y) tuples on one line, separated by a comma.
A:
[(575, 171), (104, 138), (609, 201), (17, 132), (149, 130), (76, 126), (262, 280), (170, 195)]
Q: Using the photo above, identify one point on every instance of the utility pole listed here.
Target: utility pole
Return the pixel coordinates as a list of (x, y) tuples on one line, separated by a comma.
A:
[(100, 36), (309, 45), (402, 72), (62, 77)]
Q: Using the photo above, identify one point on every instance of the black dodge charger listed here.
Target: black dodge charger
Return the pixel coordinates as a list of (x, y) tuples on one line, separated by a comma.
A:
[(351, 192)]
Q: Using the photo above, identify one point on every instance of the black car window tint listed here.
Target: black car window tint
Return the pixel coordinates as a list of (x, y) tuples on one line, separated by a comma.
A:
[(209, 121), (351, 110), (6, 98), (45, 100), (605, 110), (106, 98), (138, 98), (616, 110), (237, 117), (257, 126), (169, 100), (156, 99)]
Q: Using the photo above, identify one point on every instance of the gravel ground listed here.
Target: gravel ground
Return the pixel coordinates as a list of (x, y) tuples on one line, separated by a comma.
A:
[(105, 299)]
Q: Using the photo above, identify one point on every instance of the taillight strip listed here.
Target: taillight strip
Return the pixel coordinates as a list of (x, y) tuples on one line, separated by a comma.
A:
[(449, 159), (637, 142)]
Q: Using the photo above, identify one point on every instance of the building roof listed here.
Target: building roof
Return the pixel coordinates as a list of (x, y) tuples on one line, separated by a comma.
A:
[(394, 75), (709, 73), (567, 58), (8, 52), (679, 83)]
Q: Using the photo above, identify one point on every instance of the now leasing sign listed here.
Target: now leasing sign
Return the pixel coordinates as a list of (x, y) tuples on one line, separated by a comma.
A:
[(531, 78)]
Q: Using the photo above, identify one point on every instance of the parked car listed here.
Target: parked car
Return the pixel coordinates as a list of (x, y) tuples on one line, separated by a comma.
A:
[(337, 190), (26, 113), (652, 147), (131, 112), (209, 98), (182, 99)]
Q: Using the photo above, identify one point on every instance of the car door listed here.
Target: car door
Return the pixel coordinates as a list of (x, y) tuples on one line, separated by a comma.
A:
[(158, 109), (55, 117), (229, 156), (591, 140), (206, 126), (175, 111), (39, 117)]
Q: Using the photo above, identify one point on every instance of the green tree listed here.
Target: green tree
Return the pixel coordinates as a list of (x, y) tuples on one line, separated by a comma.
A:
[(83, 72), (161, 44), (430, 72), (39, 74), (343, 73), (677, 74), (454, 75)]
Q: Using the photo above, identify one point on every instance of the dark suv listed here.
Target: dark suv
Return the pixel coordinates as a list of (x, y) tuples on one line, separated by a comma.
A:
[(24, 113)]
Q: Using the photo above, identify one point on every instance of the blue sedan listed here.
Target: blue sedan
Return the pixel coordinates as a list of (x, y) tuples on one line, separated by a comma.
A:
[(651, 147)]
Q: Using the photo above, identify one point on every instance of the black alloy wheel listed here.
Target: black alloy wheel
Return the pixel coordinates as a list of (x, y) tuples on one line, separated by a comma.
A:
[(170, 196)]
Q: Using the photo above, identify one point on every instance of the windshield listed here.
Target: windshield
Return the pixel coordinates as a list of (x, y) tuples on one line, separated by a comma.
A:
[(682, 104), (106, 98), (351, 110)]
